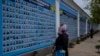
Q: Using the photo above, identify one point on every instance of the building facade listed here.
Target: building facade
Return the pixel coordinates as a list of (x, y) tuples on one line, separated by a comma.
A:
[(30, 27)]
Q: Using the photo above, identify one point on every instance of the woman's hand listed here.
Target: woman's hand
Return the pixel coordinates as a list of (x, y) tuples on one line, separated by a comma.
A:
[(53, 49)]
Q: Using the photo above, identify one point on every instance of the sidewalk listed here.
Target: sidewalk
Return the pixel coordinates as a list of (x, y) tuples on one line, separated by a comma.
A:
[(85, 48)]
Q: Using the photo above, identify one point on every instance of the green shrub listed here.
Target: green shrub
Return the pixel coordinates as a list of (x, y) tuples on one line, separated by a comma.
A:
[(98, 40), (77, 41), (71, 45), (98, 47)]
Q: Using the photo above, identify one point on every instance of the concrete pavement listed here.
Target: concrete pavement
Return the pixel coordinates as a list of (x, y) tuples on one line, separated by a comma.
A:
[(85, 48)]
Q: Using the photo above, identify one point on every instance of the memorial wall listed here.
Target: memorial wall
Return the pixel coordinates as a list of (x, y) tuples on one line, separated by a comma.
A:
[(27, 25)]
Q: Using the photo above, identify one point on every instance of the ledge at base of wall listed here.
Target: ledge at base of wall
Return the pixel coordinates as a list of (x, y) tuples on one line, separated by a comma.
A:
[(40, 52)]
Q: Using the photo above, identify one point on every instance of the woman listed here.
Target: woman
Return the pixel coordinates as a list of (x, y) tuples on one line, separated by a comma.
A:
[(62, 40), (91, 33)]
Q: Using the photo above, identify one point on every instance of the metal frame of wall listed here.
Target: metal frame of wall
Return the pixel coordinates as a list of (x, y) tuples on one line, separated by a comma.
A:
[(89, 27), (69, 17), (1, 48), (82, 25)]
